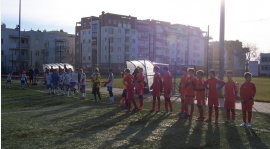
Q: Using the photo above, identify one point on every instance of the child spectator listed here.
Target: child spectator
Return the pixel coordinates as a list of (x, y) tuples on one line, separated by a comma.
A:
[(247, 93)]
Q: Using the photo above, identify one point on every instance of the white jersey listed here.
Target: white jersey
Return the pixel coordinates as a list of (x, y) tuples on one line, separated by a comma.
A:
[(61, 78), (48, 77), (9, 76), (83, 79), (23, 76), (67, 78), (110, 78), (74, 76)]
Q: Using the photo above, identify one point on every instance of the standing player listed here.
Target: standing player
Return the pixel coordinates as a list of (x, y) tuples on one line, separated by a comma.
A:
[(47, 77), (96, 84), (247, 93), (190, 93), (182, 90), (230, 93), (167, 86), (61, 81), (124, 93), (200, 95), (23, 79), (55, 81), (214, 84), (73, 81), (109, 84), (67, 79), (82, 83), (139, 86), (9, 76), (156, 89), (129, 82)]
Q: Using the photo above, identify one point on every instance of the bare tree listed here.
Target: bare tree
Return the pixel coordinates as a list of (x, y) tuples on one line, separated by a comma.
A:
[(254, 52)]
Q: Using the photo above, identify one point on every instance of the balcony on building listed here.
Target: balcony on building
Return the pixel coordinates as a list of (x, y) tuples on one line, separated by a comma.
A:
[(143, 37)]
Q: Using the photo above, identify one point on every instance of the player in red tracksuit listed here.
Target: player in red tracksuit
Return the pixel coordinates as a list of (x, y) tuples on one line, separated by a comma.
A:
[(167, 86), (214, 84), (129, 82), (139, 86), (182, 90), (200, 94), (230, 92), (156, 87), (190, 93), (247, 93)]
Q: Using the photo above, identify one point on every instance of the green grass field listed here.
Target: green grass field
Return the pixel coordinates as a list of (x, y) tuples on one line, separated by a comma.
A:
[(32, 119), (262, 86)]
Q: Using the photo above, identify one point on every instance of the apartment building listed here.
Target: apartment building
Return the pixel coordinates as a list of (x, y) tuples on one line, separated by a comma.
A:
[(265, 64), (37, 47), (120, 38), (234, 57)]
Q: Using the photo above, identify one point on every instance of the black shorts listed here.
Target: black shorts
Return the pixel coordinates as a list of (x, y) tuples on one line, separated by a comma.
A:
[(124, 93), (95, 90)]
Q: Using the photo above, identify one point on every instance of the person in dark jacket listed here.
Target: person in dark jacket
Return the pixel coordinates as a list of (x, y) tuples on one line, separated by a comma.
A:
[(31, 75), (36, 72)]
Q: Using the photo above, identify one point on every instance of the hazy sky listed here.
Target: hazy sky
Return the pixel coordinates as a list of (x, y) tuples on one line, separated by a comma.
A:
[(245, 20)]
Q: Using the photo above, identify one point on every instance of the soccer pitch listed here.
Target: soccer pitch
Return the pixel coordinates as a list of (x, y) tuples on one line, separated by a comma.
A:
[(32, 119)]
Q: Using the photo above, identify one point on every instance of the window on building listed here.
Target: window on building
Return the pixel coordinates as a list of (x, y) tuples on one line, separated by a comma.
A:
[(89, 58), (94, 34), (111, 49), (89, 32), (111, 39), (84, 24), (109, 21), (36, 42), (89, 40), (110, 30), (114, 21), (94, 28), (90, 24)]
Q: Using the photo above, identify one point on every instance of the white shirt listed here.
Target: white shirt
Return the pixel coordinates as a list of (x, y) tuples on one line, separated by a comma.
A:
[(67, 78), (74, 76), (9, 76), (23, 76), (110, 77), (48, 78), (83, 79)]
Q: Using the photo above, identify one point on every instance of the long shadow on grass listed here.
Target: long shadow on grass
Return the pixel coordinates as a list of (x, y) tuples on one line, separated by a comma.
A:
[(195, 137), (212, 137), (139, 127), (93, 126), (254, 140), (176, 135)]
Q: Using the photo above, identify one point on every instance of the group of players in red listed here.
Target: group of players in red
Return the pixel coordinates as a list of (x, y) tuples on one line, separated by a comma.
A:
[(192, 88)]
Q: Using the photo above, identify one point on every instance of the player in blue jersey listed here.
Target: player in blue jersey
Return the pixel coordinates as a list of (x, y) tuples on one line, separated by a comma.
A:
[(55, 81), (9, 76)]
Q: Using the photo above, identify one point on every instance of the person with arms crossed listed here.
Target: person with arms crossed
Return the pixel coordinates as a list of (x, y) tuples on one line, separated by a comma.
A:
[(182, 90)]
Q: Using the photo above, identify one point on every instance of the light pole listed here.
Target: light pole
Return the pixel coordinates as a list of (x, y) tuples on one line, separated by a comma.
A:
[(19, 27), (109, 53), (207, 52), (221, 39)]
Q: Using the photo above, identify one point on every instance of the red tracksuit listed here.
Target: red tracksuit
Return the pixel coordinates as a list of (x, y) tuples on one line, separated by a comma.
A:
[(129, 79), (167, 86), (247, 92)]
